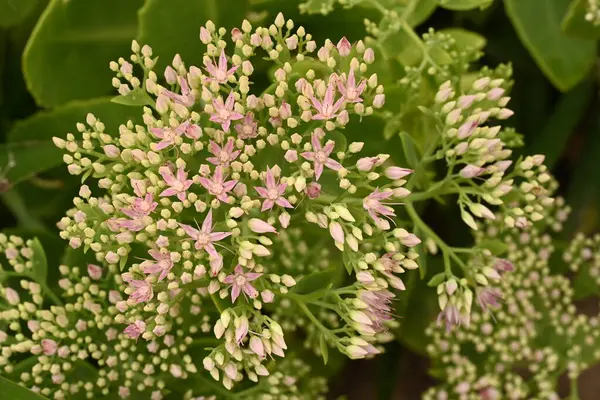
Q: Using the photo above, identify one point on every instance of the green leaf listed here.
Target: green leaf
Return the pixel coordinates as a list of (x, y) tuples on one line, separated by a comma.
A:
[(324, 349), (39, 260), (568, 113), (436, 279), (422, 11), (12, 12), (564, 60), (46, 124), (13, 391), (495, 246), (315, 281), (466, 39), (574, 24), (69, 50), (16, 204), (173, 26), (410, 149), (464, 5), (137, 97), (30, 158)]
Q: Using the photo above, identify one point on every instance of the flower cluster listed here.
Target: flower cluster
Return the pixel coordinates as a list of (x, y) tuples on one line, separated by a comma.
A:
[(592, 14), (529, 331), (192, 208)]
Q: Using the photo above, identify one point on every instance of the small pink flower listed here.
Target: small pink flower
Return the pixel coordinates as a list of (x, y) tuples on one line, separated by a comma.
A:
[(267, 296), (291, 156), (259, 226), (177, 185), (397, 172), (143, 291), (326, 109), (205, 236), (161, 264), (186, 98), (344, 47), (168, 137), (240, 281), (220, 74), (372, 203), (349, 90), (247, 129), (320, 156), (224, 112), (49, 347), (367, 163), (141, 207), (94, 271), (489, 297), (471, 171), (272, 193), (222, 155), (217, 186), (136, 329)]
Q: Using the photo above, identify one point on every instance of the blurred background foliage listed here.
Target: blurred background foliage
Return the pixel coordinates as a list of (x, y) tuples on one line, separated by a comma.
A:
[(54, 58)]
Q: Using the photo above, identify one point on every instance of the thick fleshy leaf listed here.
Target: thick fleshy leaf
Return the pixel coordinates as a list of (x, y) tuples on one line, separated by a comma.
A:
[(39, 261), (574, 24), (564, 60), (466, 39), (463, 5), (13, 391), (68, 53), (173, 26), (12, 12), (29, 158)]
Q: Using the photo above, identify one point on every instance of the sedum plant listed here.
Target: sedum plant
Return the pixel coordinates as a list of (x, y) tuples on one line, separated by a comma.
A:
[(237, 231)]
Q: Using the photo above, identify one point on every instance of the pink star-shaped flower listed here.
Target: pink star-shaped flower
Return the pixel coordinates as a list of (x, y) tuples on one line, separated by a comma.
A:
[(349, 90), (240, 281), (223, 155), (161, 264), (205, 237), (320, 156), (217, 186), (186, 98), (177, 185), (142, 291), (327, 109), (247, 129), (224, 112), (272, 193), (372, 203), (220, 74)]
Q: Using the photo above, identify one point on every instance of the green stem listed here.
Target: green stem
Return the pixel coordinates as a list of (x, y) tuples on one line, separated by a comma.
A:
[(413, 35), (55, 299), (317, 323)]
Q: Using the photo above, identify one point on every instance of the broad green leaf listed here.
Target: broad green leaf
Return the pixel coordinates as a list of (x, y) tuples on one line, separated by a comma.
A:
[(569, 111), (29, 157), (574, 24), (137, 97), (466, 39), (436, 279), (423, 10), (13, 391), (173, 26), (13, 12), (58, 122), (463, 5), (68, 53), (410, 149), (324, 349), (315, 281), (495, 246), (16, 204), (39, 260), (564, 60)]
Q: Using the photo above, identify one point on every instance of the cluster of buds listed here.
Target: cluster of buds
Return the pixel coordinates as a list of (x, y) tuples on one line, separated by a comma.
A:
[(193, 206), (592, 14), (535, 326), (478, 153)]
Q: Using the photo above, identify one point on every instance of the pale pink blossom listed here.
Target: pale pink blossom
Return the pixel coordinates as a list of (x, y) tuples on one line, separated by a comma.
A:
[(349, 89), (489, 297), (367, 163), (450, 316), (240, 281), (320, 156), (186, 98), (49, 347), (178, 185), (168, 137), (141, 207), (161, 264), (379, 308), (217, 186), (135, 329), (291, 156), (259, 226), (272, 193), (313, 190), (220, 73), (397, 172), (247, 129), (222, 155), (344, 47), (389, 266), (372, 203), (224, 112), (256, 345), (205, 237), (471, 171), (327, 109), (142, 291), (94, 271)]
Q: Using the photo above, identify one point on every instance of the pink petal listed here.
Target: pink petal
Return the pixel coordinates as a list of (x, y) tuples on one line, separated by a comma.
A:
[(270, 179), (235, 292), (318, 170), (316, 143), (181, 175), (328, 148), (309, 155), (250, 290), (191, 232), (229, 185), (207, 224), (216, 236), (262, 191), (282, 202), (328, 95), (267, 205), (222, 61), (334, 165), (168, 192)]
